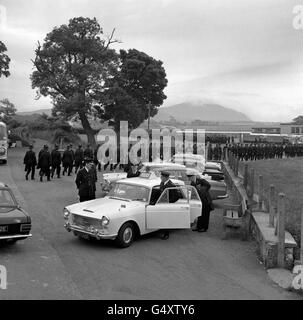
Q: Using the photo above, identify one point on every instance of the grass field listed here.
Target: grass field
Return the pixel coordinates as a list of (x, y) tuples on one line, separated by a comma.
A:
[(287, 177)]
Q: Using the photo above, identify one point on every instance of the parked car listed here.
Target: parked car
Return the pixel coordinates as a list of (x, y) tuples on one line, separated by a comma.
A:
[(15, 223), (210, 168), (218, 189), (132, 208)]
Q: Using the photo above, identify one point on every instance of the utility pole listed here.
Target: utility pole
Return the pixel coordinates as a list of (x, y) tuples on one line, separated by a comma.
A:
[(148, 121)]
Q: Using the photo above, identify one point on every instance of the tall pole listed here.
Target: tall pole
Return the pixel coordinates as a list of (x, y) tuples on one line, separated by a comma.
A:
[(148, 121)]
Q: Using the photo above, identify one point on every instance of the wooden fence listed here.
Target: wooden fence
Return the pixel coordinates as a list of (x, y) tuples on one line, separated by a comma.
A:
[(268, 201)]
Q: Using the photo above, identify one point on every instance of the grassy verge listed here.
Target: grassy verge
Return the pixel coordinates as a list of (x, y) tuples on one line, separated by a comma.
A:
[(287, 177)]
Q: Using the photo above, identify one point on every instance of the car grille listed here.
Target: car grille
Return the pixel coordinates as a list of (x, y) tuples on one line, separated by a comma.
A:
[(14, 229), (86, 222)]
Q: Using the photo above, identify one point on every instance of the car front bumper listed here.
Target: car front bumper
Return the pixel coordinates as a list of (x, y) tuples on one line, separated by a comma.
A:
[(93, 233), (15, 237)]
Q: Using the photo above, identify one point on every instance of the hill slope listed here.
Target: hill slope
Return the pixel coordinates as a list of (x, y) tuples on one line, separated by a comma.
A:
[(205, 112)]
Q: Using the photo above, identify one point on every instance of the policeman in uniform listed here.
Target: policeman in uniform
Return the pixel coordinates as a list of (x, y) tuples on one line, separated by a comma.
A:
[(68, 161), (30, 162), (86, 181), (56, 161), (44, 163)]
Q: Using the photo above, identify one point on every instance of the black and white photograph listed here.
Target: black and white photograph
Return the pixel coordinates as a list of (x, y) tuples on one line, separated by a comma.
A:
[(151, 150)]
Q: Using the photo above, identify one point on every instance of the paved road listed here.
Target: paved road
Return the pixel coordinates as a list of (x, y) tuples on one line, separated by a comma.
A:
[(55, 265)]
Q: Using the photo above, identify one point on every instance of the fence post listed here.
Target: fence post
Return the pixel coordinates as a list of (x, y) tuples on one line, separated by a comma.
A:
[(226, 154), (260, 192), (281, 230), (271, 206), (245, 178), (301, 250), (252, 182), (237, 167)]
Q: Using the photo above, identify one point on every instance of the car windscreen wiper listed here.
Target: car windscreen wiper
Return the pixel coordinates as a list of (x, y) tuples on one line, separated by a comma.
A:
[(117, 198)]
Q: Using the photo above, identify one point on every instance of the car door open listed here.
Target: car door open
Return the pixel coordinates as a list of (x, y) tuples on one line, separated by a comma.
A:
[(168, 215)]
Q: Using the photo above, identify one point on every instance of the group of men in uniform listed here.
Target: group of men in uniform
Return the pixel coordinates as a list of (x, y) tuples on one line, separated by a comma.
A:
[(266, 151), (50, 163)]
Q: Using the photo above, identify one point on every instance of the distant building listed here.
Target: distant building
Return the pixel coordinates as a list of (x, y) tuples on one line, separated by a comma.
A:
[(291, 128), (267, 130)]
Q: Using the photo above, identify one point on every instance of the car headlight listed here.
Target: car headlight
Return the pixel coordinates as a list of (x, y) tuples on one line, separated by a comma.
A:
[(104, 221), (66, 213)]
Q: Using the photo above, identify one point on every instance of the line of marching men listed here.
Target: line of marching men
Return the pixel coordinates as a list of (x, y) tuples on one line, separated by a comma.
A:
[(50, 163), (266, 151), (255, 151)]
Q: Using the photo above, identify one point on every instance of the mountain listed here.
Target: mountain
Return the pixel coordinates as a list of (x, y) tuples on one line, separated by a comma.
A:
[(40, 111), (187, 112)]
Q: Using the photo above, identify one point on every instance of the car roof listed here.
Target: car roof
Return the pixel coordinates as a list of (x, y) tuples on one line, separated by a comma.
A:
[(3, 185), (144, 182), (164, 165)]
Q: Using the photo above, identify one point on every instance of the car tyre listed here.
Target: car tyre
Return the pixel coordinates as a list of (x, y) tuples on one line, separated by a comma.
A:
[(126, 235)]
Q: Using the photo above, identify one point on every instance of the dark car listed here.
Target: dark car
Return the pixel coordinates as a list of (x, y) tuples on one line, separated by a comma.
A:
[(15, 223)]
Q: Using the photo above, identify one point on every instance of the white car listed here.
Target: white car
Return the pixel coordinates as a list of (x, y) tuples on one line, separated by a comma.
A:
[(133, 208)]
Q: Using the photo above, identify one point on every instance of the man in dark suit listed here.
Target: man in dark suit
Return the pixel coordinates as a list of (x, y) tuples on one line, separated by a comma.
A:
[(56, 161), (44, 163), (68, 161), (173, 195), (86, 181), (203, 188), (30, 162)]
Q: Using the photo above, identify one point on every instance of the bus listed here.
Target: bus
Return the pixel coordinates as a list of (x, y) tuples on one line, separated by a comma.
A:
[(3, 142)]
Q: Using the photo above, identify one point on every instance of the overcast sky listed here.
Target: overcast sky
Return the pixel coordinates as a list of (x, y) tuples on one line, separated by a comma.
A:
[(244, 54)]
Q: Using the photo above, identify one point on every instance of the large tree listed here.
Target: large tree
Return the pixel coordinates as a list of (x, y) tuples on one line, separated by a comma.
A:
[(4, 61), (7, 109), (136, 90), (72, 66)]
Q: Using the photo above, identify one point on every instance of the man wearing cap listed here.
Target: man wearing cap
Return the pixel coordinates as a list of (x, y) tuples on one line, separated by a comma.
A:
[(44, 163), (173, 195), (68, 161), (56, 161), (86, 182), (30, 162)]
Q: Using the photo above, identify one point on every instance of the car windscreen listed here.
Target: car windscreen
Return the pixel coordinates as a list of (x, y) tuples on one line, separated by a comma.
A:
[(6, 199), (129, 192)]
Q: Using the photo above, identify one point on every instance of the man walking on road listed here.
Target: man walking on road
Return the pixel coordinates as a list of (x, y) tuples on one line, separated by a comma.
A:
[(30, 162), (44, 163), (86, 181), (56, 161), (68, 161)]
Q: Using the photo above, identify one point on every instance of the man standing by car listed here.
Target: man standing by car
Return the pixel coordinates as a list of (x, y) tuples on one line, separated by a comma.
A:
[(86, 181), (56, 161), (207, 206), (30, 162), (173, 195)]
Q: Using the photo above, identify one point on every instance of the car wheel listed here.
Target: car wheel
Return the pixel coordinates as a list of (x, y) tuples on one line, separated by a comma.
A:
[(126, 235)]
